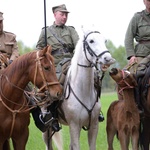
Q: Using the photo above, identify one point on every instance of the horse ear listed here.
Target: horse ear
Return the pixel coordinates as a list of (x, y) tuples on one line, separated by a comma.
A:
[(49, 49), (43, 51)]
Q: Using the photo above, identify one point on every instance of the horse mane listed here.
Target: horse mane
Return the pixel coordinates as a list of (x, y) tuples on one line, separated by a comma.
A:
[(19, 63)]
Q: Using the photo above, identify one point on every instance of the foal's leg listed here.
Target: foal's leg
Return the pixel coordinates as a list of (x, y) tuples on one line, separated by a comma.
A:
[(74, 135), (92, 135), (134, 139), (124, 139), (111, 131)]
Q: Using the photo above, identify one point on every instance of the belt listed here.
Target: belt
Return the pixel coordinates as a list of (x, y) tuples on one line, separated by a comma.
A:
[(144, 41), (59, 52)]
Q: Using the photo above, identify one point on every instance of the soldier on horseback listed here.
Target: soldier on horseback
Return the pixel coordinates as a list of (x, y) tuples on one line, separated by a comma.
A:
[(8, 45), (139, 54), (63, 40)]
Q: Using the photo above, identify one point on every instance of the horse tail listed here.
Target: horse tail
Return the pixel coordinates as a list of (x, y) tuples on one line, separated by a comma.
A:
[(58, 141), (6, 145)]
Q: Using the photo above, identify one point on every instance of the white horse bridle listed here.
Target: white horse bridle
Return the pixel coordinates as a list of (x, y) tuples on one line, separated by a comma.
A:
[(91, 52)]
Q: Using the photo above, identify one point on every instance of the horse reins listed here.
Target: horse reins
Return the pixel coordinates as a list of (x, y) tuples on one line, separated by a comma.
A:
[(91, 52), (46, 84)]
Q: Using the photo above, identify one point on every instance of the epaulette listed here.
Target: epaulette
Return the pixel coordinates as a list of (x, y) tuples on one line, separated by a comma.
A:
[(140, 12), (72, 27), (9, 32), (44, 27)]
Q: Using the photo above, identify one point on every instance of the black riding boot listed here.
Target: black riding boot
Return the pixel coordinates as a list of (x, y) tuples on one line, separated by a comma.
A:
[(138, 101), (53, 110)]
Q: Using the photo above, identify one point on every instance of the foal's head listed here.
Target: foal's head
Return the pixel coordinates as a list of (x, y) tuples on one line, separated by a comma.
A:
[(123, 77)]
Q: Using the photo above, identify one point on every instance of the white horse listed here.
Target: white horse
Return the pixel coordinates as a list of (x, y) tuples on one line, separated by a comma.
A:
[(81, 105)]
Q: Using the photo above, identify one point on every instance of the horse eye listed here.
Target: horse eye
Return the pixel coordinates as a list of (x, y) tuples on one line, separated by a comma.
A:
[(47, 68), (91, 41)]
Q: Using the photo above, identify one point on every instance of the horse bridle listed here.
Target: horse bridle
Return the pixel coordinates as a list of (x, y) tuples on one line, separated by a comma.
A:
[(45, 83), (124, 81), (91, 52)]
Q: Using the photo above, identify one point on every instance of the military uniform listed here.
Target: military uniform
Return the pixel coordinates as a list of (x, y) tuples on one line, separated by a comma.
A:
[(67, 34), (8, 43), (139, 28)]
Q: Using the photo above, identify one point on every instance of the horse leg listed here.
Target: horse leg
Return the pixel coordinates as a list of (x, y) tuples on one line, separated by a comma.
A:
[(48, 139), (20, 140), (92, 135), (124, 139), (74, 135), (145, 134), (57, 138), (134, 139), (6, 145), (110, 130)]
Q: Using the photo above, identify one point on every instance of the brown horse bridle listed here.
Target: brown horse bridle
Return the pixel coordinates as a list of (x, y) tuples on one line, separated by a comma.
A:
[(22, 110), (38, 65)]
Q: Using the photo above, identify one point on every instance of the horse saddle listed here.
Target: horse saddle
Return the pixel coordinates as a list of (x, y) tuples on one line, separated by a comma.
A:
[(142, 67)]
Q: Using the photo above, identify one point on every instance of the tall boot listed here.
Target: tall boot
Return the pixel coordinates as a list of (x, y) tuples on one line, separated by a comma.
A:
[(138, 101), (53, 109)]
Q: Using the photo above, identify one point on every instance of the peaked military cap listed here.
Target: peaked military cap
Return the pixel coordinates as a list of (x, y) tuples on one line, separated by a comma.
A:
[(61, 8), (1, 16)]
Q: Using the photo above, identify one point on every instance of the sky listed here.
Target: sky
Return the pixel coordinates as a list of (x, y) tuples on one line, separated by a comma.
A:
[(25, 18)]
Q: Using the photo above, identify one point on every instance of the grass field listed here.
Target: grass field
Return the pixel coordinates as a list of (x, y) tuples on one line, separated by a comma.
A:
[(35, 141)]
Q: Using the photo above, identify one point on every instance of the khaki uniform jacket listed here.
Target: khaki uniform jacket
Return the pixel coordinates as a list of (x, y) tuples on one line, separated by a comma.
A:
[(138, 29), (67, 34), (8, 45)]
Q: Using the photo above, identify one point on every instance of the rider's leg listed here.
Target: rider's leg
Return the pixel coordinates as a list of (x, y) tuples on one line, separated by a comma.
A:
[(42, 120)]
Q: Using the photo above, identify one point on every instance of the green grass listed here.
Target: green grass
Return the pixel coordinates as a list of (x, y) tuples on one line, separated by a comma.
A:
[(35, 141)]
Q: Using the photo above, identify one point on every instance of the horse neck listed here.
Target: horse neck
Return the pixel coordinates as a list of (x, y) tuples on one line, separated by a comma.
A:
[(81, 71), (14, 80), (82, 78), (129, 99)]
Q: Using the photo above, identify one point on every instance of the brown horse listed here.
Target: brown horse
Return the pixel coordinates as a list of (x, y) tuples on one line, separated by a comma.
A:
[(123, 116), (37, 67), (144, 94)]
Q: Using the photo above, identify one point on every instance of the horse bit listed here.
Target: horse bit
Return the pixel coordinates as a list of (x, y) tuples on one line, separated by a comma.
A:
[(92, 53)]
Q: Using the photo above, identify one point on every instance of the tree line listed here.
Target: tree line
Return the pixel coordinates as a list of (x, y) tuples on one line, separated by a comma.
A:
[(118, 53)]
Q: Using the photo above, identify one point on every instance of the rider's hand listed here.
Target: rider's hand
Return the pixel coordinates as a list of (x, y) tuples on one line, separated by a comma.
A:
[(132, 60)]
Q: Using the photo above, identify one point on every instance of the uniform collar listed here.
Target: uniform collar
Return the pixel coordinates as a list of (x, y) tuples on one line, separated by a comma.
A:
[(147, 13), (58, 26)]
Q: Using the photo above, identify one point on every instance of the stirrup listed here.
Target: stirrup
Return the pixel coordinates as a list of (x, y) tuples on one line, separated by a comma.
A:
[(47, 118)]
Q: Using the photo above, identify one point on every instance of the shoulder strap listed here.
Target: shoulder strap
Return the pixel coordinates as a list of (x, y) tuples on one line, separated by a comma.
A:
[(144, 17), (58, 39)]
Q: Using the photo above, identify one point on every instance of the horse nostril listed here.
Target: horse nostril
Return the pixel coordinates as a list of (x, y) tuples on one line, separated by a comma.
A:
[(106, 59), (59, 94)]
